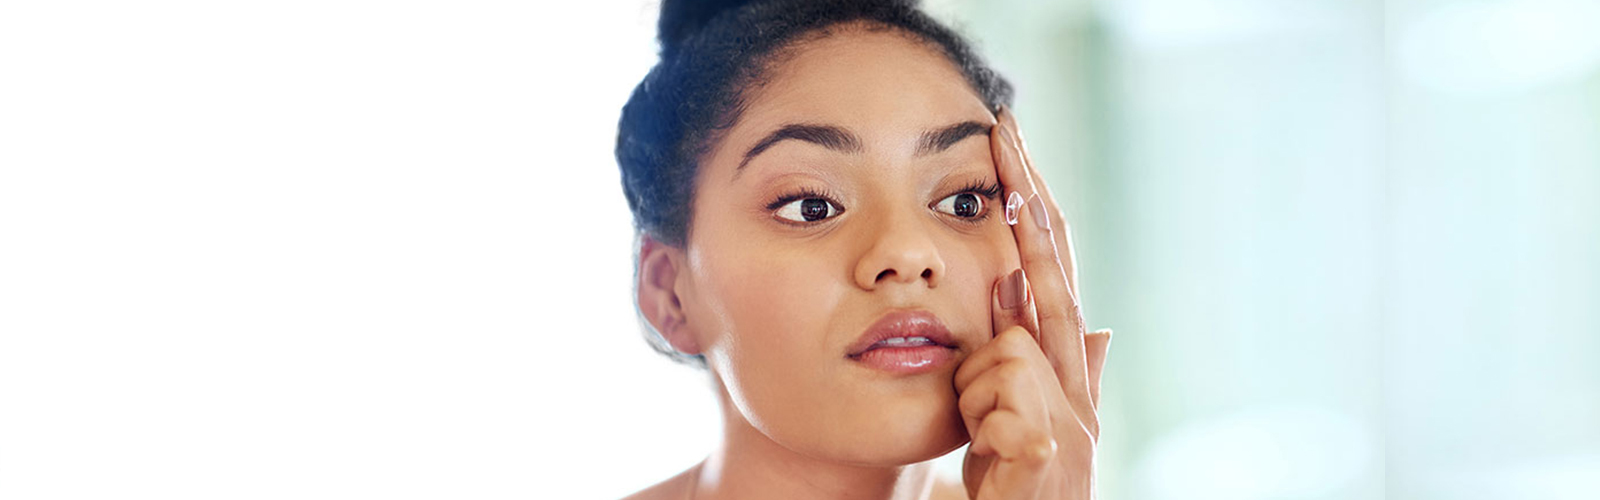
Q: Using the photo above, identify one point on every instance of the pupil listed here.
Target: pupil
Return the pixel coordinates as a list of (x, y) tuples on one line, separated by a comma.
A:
[(813, 209), (966, 205)]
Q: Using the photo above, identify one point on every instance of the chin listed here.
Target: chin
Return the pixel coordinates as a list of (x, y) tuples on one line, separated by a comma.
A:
[(903, 431), (873, 421)]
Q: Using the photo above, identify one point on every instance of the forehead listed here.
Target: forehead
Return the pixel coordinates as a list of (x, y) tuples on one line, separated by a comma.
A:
[(865, 81)]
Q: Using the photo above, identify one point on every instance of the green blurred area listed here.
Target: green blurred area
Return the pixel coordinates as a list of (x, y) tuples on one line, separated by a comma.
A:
[(1350, 249)]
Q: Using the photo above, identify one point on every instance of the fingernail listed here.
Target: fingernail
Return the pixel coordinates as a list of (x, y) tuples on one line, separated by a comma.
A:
[(1013, 203), (1040, 218), (1013, 290), (1005, 132)]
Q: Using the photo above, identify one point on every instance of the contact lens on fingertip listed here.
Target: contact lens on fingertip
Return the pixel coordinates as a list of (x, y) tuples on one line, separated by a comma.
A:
[(1013, 204)]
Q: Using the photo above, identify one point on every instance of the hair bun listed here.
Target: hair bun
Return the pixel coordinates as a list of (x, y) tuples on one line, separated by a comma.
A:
[(682, 18)]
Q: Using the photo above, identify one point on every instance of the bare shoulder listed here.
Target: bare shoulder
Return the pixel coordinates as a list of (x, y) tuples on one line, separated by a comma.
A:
[(673, 488)]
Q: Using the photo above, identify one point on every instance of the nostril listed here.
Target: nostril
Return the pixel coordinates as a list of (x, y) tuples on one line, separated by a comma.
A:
[(927, 274)]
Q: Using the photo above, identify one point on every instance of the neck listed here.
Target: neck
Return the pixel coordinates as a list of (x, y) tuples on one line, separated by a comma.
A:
[(748, 464)]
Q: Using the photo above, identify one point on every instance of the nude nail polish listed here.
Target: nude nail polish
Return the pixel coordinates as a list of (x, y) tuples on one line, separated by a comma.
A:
[(1040, 217), (1013, 204), (1013, 290)]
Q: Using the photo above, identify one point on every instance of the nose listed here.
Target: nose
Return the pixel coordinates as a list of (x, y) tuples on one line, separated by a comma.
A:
[(901, 251)]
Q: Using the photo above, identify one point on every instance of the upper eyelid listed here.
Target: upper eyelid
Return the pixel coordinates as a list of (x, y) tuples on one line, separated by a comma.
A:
[(986, 189), (802, 194)]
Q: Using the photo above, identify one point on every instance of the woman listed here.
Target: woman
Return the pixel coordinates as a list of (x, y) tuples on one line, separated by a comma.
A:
[(838, 220)]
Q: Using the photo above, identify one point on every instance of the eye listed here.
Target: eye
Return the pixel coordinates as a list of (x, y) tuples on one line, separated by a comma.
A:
[(964, 205), (808, 210)]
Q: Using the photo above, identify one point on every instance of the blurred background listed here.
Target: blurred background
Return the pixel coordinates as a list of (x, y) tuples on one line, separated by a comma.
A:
[(334, 249)]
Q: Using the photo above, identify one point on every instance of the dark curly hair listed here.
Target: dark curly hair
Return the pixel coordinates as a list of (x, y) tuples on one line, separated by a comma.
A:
[(712, 52)]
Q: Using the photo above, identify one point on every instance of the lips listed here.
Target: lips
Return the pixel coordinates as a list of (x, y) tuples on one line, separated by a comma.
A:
[(905, 343), (903, 329)]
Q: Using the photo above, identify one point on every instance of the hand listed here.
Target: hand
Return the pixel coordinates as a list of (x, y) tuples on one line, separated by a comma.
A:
[(1029, 396)]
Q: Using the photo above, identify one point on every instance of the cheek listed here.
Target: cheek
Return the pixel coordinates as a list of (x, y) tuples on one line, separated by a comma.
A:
[(775, 307), (985, 258), (977, 263), (772, 349), (764, 301), (1001, 243)]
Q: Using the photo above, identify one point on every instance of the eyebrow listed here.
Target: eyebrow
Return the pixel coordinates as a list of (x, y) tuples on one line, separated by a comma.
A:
[(841, 140), (827, 136), (936, 141)]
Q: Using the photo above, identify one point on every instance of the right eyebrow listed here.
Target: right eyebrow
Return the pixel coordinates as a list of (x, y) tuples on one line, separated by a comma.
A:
[(828, 136)]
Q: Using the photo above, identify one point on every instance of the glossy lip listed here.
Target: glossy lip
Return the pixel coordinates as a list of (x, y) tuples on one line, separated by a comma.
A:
[(902, 324)]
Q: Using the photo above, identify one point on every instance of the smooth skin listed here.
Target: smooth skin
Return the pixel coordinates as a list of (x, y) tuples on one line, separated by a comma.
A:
[(773, 305)]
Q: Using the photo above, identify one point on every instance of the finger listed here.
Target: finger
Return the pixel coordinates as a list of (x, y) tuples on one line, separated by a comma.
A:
[(1012, 386), (1063, 231), (1024, 449), (1055, 306), (1098, 345), (1011, 344), (1013, 437), (1011, 305)]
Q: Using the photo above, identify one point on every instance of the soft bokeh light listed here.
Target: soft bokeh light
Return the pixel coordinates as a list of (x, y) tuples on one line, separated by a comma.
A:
[(1263, 452), (1487, 47)]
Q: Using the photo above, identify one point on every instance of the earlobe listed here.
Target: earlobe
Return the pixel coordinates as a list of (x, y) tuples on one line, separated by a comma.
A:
[(659, 300)]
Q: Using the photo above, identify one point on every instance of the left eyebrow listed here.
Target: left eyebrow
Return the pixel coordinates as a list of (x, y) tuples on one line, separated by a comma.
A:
[(938, 140)]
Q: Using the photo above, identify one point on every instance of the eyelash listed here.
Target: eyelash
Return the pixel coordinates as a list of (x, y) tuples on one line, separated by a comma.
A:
[(990, 191), (801, 194)]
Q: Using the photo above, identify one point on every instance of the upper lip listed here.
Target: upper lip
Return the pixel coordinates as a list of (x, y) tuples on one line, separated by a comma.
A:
[(903, 324)]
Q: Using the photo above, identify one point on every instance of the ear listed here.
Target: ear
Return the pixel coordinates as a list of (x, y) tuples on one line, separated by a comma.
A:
[(659, 268)]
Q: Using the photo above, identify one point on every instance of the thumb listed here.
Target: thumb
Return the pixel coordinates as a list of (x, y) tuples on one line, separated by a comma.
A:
[(1011, 304)]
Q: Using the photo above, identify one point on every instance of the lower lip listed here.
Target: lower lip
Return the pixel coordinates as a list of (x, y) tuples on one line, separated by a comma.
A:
[(907, 360)]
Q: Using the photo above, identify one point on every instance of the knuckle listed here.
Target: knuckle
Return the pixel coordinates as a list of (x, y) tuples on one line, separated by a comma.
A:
[(1051, 313), (1010, 374), (1060, 313), (1038, 450)]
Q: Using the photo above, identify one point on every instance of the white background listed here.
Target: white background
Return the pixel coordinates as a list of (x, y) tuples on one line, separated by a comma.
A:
[(325, 250)]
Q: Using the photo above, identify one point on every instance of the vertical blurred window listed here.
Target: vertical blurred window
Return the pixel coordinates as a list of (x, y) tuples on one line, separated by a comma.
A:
[(1350, 249)]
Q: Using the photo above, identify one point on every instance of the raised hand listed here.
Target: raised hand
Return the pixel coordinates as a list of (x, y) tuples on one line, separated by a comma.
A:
[(1029, 397)]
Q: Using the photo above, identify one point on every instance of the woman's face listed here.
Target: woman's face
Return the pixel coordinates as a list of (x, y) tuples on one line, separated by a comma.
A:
[(803, 239)]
